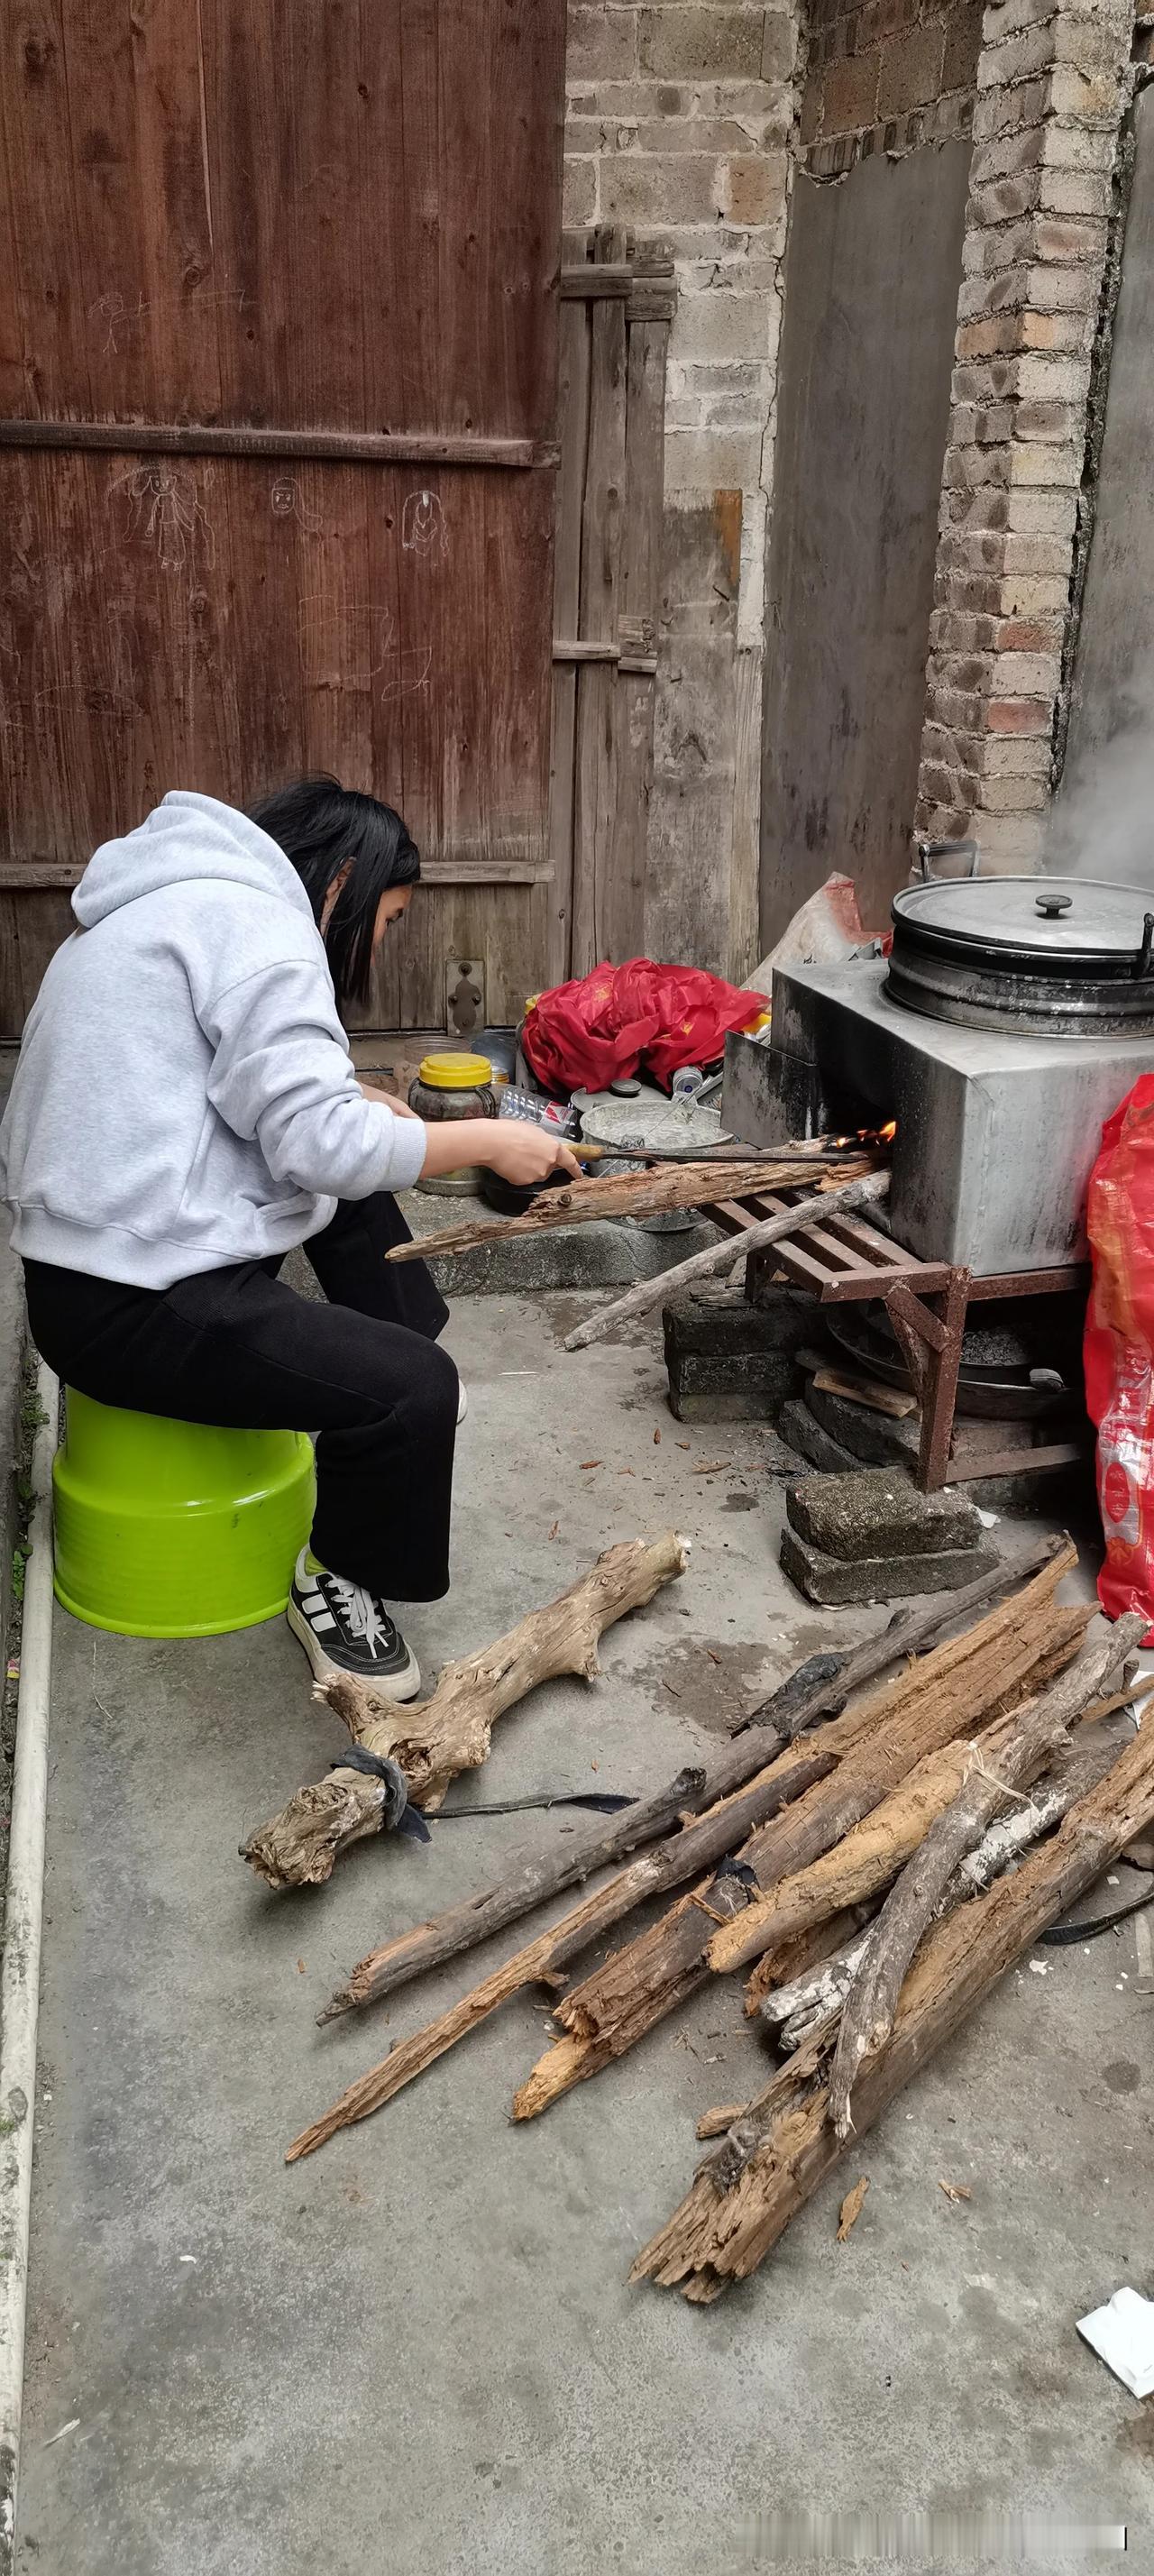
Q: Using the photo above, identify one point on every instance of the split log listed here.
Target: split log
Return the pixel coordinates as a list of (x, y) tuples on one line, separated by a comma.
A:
[(639, 1194), (815, 1994), (774, 1229), (1008, 1757), (875, 1745), (793, 2009), (785, 2143), (869, 1854), (925, 1788), (434, 1739), (1078, 1769), (820, 1687), (701, 1841)]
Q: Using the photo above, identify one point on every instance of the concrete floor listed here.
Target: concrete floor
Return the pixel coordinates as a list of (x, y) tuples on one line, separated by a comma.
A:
[(417, 2351)]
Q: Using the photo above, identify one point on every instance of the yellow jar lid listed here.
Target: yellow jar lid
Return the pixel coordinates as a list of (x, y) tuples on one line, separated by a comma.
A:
[(455, 1072)]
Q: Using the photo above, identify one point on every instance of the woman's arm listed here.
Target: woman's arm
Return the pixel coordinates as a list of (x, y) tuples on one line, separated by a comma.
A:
[(521, 1153)]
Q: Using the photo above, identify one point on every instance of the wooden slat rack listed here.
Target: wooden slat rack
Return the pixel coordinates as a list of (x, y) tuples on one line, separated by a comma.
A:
[(841, 1259)]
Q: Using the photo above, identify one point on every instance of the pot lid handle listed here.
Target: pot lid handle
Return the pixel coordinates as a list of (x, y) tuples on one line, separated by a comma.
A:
[(1052, 906)]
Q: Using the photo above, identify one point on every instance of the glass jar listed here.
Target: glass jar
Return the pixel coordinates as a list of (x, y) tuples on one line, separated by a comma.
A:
[(453, 1086)]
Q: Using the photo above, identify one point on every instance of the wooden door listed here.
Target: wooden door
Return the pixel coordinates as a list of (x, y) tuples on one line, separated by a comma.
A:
[(278, 285)]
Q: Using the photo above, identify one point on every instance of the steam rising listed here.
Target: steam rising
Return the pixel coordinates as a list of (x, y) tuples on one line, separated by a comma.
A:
[(1102, 821)]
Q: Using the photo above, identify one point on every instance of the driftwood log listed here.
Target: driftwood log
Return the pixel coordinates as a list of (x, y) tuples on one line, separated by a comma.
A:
[(719, 1256), (872, 1747), (644, 1193), (434, 1739), (818, 1688), (1008, 1757), (776, 2154)]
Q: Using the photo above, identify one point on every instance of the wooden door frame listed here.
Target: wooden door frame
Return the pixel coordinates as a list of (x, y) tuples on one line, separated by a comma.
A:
[(617, 307)]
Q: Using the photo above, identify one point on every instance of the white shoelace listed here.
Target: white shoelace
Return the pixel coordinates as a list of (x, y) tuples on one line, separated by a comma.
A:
[(364, 1614)]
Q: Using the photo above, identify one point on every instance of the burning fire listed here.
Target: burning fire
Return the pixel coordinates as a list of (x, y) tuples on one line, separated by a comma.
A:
[(870, 1135)]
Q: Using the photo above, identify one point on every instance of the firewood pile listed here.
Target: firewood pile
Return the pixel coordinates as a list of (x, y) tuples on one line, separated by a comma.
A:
[(868, 1855)]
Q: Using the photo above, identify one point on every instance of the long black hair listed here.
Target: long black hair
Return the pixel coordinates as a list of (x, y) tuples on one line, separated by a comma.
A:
[(323, 827)]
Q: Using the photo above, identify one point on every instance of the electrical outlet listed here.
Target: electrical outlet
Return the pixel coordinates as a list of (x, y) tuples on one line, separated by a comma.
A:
[(464, 995)]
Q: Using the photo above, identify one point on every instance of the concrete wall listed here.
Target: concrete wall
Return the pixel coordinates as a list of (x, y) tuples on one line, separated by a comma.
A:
[(863, 409)]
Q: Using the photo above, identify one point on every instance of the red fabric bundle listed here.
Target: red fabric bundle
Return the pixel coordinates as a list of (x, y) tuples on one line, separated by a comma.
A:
[(1119, 1350), (603, 1027)]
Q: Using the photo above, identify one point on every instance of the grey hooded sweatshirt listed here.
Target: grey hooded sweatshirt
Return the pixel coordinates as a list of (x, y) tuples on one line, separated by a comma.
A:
[(185, 1097)]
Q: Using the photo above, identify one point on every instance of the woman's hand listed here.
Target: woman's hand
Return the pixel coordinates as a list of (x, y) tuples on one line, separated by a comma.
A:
[(523, 1154)]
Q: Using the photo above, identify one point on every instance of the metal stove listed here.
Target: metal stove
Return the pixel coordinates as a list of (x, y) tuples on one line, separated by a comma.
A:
[(999, 1055), (1011, 1019)]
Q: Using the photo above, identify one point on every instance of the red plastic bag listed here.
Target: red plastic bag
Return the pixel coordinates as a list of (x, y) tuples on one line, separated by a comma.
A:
[(1119, 1350), (606, 1025)]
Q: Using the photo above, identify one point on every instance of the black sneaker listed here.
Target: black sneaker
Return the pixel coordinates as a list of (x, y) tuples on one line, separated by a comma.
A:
[(345, 1629)]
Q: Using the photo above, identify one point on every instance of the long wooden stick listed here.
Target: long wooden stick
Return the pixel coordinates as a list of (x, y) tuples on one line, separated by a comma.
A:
[(1009, 1756), (784, 2144), (697, 1846), (645, 1193), (819, 1688), (876, 1744), (434, 1739), (773, 1229), (792, 2010)]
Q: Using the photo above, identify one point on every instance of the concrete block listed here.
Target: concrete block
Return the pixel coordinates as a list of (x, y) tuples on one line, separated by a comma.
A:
[(751, 191), (845, 1583), (850, 94), (641, 187), (911, 69), (690, 43), (797, 1425), (730, 1328), (601, 43), (875, 1511), (731, 1389)]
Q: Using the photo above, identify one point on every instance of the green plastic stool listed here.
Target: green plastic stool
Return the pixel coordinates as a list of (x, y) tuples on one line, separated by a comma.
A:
[(176, 1529)]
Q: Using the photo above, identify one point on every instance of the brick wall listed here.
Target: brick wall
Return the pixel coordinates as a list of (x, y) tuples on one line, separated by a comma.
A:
[(886, 75), (680, 116), (1018, 474)]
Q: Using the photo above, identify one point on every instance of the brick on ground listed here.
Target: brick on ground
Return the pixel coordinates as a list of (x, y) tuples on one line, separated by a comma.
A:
[(844, 1582), (878, 1512)]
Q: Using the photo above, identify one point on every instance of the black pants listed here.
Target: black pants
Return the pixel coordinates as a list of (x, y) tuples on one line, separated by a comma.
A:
[(238, 1347)]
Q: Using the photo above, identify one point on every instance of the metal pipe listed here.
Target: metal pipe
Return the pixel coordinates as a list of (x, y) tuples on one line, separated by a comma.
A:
[(20, 1973)]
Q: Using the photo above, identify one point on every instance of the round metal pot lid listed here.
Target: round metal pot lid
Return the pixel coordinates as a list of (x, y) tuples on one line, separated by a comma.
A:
[(1040, 925)]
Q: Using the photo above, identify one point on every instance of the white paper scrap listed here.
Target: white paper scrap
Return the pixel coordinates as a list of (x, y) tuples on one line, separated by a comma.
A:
[(1122, 2333)]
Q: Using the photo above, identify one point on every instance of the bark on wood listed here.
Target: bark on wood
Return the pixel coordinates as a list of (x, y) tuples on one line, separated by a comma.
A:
[(793, 2010), (1078, 1769), (817, 1994), (773, 2159), (819, 1687), (867, 1857), (1008, 1756), (872, 1747), (761, 1925), (700, 1842), (643, 1193), (434, 1739), (774, 1229)]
